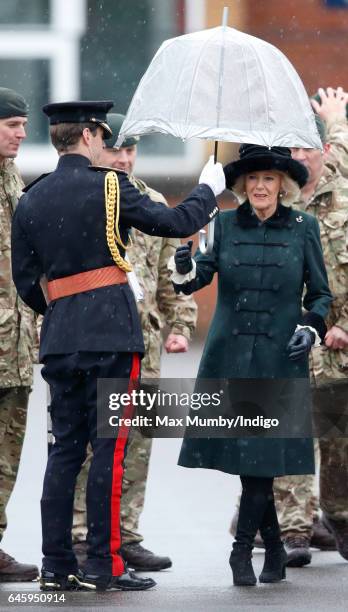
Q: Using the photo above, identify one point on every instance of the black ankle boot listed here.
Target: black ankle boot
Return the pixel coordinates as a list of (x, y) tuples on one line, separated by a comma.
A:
[(242, 569), (274, 569)]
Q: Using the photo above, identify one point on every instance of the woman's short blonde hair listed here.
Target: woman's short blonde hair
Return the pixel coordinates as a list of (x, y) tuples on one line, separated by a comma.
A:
[(289, 189)]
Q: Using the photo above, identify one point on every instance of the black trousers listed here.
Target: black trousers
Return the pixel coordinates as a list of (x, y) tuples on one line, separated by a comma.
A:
[(73, 384)]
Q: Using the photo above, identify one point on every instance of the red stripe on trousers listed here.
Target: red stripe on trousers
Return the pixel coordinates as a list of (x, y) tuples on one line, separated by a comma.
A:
[(117, 475)]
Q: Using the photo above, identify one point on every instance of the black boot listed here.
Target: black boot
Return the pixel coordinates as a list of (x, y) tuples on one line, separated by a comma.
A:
[(143, 560), (129, 581), (242, 569), (274, 568), (253, 503), (53, 581), (275, 554)]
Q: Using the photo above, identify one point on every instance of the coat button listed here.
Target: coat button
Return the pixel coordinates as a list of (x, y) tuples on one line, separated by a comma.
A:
[(235, 332), (235, 241), (237, 308), (285, 244), (270, 334), (236, 262), (280, 264)]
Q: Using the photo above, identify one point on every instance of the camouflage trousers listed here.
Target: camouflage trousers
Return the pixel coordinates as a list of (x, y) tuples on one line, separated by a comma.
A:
[(296, 500), (13, 417), (133, 490)]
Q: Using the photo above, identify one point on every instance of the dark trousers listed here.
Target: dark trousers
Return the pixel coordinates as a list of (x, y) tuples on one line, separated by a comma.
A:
[(257, 511), (73, 384)]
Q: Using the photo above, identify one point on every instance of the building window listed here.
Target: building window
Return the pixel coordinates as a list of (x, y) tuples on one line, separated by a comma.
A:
[(59, 50), (25, 14), (20, 75)]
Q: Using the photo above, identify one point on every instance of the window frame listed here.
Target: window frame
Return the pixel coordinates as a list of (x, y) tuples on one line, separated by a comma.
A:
[(60, 40)]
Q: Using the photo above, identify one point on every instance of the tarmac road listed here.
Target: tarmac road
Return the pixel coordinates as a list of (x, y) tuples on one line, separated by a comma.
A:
[(186, 516)]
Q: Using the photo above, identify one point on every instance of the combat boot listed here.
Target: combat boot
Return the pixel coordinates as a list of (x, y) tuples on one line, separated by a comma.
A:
[(339, 529), (322, 538), (143, 560), (297, 549), (12, 571), (128, 581)]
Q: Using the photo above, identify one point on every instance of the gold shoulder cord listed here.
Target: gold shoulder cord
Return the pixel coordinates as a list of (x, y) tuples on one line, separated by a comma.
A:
[(112, 202)]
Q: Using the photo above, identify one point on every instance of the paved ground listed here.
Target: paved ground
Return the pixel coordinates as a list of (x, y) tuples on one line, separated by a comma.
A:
[(187, 515)]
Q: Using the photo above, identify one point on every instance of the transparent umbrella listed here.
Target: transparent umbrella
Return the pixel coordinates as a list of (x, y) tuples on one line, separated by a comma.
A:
[(223, 85)]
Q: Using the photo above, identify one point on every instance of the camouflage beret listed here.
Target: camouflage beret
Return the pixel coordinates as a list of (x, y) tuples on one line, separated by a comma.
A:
[(12, 104), (115, 121)]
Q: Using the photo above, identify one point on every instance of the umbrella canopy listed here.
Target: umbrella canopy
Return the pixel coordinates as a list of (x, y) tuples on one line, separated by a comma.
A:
[(222, 84)]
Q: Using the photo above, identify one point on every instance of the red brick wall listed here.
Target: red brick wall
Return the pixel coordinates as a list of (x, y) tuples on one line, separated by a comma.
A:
[(312, 35)]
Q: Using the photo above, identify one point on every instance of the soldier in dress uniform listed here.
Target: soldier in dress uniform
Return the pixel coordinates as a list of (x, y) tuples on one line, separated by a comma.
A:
[(69, 230), (157, 304)]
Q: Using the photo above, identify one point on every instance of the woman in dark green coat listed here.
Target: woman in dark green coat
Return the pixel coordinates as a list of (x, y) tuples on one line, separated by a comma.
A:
[(265, 254)]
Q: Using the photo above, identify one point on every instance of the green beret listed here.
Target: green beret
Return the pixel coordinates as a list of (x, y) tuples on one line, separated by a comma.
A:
[(115, 121), (321, 128), (12, 104)]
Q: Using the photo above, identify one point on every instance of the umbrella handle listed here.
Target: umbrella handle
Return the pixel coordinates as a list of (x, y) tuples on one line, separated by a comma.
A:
[(206, 242)]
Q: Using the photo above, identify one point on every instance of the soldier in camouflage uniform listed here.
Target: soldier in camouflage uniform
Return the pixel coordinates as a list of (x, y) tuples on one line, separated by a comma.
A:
[(149, 256), (332, 107), (325, 196), (17, 328)]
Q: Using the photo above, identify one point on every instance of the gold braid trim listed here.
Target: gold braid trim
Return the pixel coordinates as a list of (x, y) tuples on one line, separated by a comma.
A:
[(112, 200)]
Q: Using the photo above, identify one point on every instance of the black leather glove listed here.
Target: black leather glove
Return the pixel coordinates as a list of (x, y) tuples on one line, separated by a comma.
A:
[(300, 343), (182, 258)]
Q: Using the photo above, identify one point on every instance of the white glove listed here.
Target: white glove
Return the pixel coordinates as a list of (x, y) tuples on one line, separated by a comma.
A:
[(213, 176)]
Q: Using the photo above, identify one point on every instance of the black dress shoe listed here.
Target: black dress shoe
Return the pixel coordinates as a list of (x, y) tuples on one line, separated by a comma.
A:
[(274, 569), (129, 581), (53, 581), (143, 560)]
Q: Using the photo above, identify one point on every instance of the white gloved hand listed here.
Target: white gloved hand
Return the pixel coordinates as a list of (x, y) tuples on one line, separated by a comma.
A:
[(213, 175)]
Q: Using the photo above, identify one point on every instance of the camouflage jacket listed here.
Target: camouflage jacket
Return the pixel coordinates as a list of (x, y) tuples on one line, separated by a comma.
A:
[(161, 306), (17, 321), (337, 136), (329, 205)]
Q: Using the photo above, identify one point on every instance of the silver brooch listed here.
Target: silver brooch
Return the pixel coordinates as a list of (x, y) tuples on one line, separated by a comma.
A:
[(299, 219)]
